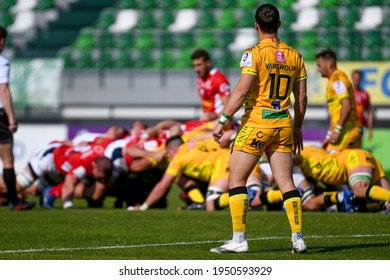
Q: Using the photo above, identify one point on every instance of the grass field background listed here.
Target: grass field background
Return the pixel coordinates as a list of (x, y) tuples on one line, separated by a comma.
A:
[(172, 234)]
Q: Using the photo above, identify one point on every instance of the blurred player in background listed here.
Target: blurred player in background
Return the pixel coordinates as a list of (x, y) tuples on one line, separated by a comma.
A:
[(8, 126), (213, 86), (270, 71), (345, 129), (363, 104)]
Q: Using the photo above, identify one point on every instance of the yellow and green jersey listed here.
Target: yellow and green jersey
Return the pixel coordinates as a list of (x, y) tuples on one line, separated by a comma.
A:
[(276, 66)]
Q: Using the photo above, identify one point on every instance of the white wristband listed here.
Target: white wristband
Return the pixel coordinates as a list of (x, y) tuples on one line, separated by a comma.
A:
[(144, 206)]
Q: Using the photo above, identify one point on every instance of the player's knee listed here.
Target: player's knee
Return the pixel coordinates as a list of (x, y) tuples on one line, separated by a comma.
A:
[(24, 179), (212, 198)]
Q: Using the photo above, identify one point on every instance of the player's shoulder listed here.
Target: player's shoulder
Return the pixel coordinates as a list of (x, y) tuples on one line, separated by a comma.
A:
[(3, 61)]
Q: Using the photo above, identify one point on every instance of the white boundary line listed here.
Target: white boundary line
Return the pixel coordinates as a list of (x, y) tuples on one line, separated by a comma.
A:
[(181, 243)]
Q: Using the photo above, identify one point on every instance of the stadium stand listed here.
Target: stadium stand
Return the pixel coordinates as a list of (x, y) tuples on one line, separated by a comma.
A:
[(43, 28)]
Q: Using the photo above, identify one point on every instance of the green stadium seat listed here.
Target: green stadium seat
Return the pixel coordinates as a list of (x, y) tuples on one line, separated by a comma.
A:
[(104, 39), (225, 60), (83, 60), (374, 54), (287, 16), (350, 38), (226, 19), (350, 3), (329, 39), (351, 54), (372, 38), (184, 40), (247, 19), (6, 19), (186, 4), (247, 4), (288, 36), (206, 19), (124, 40), (45, 5), (372, 3), (350, 18), (308, 39), (164, 60), (308, 53), (146, 4), (105, 59), (165, 40), (205, 40), (127, 4), (144, 59), (329, 18), (386, 39), (182, 59), (227, 4), (285, 3), (207, 4), (6, 4), (105, 19), (85, 39), (144, 40), (166, 18), (123, 60), (146, 20), (167, 4), (328, 3), (224, 38), (66, 55)]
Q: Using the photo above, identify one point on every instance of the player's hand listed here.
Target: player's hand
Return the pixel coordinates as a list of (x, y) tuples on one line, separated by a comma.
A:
[(298, 141), (134, 208), (13, 127), (218, 132), (334, 137), (325, 143)]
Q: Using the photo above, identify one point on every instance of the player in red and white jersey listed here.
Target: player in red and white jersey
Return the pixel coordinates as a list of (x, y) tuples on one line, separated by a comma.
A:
[(363, 104), (213, 86)]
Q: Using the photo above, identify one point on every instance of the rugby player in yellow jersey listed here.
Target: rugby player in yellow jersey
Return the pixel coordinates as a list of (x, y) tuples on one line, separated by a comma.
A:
[(345, 129), (270, 71), (356, 167), (205, 161)]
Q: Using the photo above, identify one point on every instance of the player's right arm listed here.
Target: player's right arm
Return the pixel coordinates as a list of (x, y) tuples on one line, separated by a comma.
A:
[(235, 101), (157, 193)]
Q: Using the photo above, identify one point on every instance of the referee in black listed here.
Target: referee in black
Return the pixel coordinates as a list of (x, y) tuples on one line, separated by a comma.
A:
[(8, 127)]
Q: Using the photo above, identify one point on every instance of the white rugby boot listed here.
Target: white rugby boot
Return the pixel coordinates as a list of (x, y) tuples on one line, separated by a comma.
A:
[(232, 247), (299, 245)]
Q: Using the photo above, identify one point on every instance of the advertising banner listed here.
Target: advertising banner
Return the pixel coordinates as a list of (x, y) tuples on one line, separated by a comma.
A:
[(36, 83), (375, 80)]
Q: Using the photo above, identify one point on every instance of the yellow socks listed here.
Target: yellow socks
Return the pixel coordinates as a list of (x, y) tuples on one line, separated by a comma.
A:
[(238, 202), (293, 206), (378, 193)]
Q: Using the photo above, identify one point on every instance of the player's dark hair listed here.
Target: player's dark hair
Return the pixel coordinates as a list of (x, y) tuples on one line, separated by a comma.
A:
[(327, 54), (104, 164), (3, 32), (200, 53), (268, 18), (174, 141), (357, 71)]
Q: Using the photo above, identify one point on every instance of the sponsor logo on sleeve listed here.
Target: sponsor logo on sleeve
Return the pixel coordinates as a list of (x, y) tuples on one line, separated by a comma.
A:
[(246, 59)]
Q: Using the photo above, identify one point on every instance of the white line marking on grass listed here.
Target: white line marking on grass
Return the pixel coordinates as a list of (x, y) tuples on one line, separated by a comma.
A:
[(181, 243)]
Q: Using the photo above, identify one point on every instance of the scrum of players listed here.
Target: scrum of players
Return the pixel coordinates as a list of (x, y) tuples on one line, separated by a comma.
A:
[(139, 166)]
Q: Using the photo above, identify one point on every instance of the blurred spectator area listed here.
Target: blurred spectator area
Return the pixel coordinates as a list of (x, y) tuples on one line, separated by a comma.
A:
[(131, 58), (160, 34)]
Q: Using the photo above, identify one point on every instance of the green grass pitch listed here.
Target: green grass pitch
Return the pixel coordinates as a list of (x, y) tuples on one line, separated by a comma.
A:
[(171, 234)]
